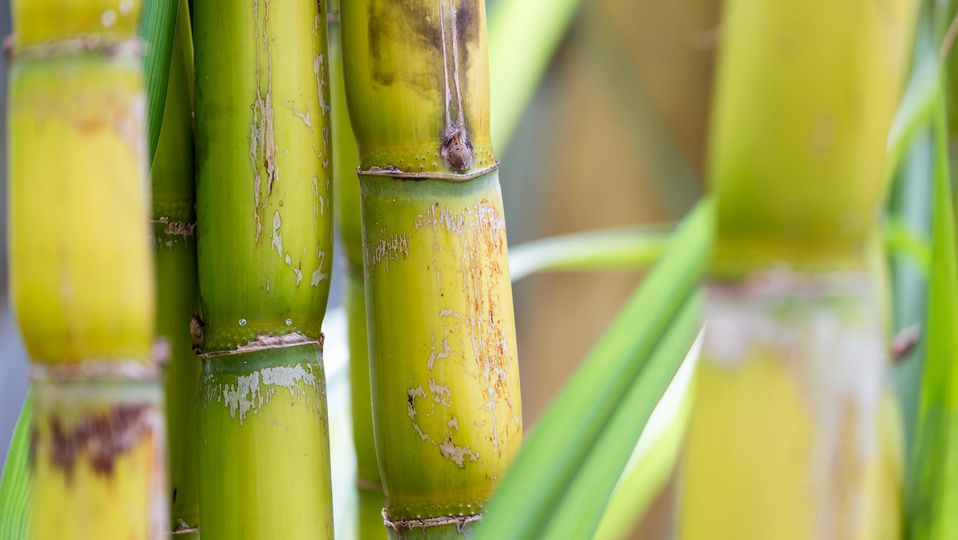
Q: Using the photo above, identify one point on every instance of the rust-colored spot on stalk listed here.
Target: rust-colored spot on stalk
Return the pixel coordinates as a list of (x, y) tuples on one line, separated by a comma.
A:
[(102, 437)]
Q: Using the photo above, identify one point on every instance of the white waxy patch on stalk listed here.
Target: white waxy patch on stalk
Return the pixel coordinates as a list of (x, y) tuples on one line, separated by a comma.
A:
[(440, 393), (389, 249), (304, 116), (457, 454), (448, 450), (441, 354), (126, 6), (413, 393), (832, 349), (108, 18), (256, 389), (277, 235), (318, 274), (317, 200)]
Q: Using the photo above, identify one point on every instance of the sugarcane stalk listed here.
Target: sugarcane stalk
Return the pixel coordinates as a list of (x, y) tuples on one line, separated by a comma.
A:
[(349, 226), (174, 227), (264, 254), (445, 387), (81, 271), (792, 434)]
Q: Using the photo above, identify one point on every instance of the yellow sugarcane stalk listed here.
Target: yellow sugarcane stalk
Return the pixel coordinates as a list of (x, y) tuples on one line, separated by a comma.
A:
[(445, 390), (81, 270), (792, 433)]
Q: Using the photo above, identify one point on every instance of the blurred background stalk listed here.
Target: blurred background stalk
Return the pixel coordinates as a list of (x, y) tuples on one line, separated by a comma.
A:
[(793, 433), (177, 295), (349, 226), (81, 276)]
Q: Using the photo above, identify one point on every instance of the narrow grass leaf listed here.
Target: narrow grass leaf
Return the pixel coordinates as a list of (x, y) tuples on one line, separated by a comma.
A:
[(933, 488), (583, 505), (523, 35), (15, 482), (157, 28), (655, 455), (632, 248), (556, 447)]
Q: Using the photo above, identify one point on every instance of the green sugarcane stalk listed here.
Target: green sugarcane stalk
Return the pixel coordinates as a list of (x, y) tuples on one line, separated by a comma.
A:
[(264, 250), (174, 227), (81, 270), (793, 433), (445, 391), (349, 225)]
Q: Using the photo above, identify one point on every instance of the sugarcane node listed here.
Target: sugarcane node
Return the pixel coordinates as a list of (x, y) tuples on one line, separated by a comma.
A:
[(102, 437), (389, 171), (403, 525), (109, 48), (185, 229), (95, 370), (265, 342), (456, 149)]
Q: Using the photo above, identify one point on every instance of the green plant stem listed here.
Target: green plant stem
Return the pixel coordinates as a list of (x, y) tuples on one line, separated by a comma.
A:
[(556, 447)]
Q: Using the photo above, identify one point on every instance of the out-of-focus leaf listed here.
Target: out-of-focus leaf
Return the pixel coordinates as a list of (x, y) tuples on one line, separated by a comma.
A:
[(157, 28), (901, 240), (556, 449), (579, 513), (932, 502), (523, 34), (632, 248), (655, 455), (15, 482)]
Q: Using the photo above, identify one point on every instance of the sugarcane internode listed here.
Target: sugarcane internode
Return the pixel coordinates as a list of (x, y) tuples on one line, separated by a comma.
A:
[(792, 374), (81, 275), (264, 253), (792, 433), (174, 251), (442, 349)]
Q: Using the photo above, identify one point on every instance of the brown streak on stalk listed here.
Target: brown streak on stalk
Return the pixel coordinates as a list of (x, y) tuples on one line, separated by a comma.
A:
[(103, 437), (321, 72), (481, 231), (262, 141), (456, 148), (385, 19)]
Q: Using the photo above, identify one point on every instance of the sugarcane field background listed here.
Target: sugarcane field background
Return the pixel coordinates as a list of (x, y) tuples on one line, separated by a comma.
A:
[(289, 269)]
